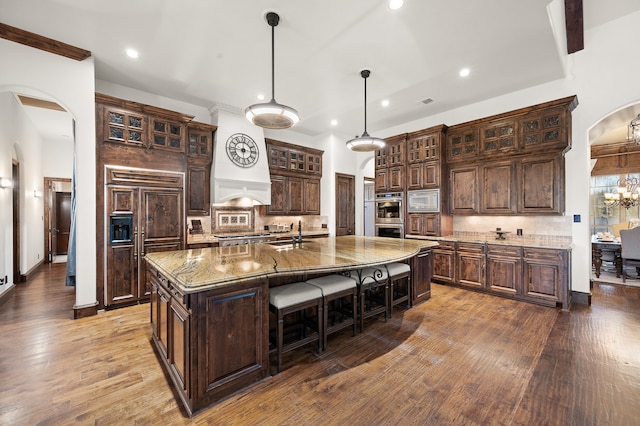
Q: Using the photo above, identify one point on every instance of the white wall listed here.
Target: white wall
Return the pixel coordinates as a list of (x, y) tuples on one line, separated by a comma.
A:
[(71, 84), (57, 159)]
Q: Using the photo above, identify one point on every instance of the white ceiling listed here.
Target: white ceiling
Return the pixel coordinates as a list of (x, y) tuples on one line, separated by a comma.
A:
[(206, 51)]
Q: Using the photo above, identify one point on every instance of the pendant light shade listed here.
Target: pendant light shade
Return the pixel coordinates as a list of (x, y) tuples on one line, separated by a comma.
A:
[(272, 115), (365, 142)]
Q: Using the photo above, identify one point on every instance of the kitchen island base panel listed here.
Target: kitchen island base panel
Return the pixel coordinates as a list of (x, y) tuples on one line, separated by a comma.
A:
[(211, 333)]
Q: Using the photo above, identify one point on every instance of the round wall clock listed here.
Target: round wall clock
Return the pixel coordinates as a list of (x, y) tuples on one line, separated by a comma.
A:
[(242, 150)]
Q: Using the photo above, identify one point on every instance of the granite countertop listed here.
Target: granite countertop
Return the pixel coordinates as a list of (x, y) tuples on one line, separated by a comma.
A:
[(196, 270), (212, 238), (535, 242)]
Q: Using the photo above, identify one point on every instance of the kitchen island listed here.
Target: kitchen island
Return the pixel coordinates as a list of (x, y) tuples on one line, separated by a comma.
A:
[(210, 306)]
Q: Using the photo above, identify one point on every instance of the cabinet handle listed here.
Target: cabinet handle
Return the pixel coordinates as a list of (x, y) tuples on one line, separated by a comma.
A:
[(135, 244), (142, 244)]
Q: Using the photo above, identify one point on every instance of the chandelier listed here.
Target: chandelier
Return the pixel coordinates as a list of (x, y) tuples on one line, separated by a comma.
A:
[(365, 142), (626, 194), (633, 133)]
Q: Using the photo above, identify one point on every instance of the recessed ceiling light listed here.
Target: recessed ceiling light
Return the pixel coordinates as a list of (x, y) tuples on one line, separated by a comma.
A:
[(133, 53), (385, 102), (260, 97), (334, 122), (465, 72), (395, 4)]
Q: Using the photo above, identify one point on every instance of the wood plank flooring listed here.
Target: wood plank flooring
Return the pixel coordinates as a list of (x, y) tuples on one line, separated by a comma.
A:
[(460, 358)]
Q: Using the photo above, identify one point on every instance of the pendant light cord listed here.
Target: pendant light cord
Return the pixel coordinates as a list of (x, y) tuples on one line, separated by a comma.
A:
[(273, 67)]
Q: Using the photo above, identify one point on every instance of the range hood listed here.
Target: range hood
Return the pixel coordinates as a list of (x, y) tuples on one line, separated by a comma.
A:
[(229, 180)]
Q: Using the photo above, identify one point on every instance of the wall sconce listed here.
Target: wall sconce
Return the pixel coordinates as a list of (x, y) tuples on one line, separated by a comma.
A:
[(5, 183), (37, 194)]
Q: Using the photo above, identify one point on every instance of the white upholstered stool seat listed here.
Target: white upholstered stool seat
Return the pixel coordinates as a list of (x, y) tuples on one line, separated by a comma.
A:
[(340, 295), (290, 298)]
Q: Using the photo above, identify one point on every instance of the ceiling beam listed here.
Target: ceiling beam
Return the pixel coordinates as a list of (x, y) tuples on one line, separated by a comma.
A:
[(574, 25), (43, 43)]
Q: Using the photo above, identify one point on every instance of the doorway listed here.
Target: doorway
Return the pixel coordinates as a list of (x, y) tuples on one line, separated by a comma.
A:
[(57, 218), (345, 204)]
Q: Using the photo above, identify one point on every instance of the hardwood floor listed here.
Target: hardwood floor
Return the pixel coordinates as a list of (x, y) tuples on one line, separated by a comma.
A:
[(459, 358)]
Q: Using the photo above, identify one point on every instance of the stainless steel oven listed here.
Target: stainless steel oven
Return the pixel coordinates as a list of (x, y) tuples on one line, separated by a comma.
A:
[(390, 207), (392, 230)]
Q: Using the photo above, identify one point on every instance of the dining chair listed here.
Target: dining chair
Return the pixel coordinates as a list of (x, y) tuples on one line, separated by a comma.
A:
[(630, 250)]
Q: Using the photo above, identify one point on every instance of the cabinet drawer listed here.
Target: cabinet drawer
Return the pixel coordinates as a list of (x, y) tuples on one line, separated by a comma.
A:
[(543, 254), (504, 250), (471, 247), (446, 245)]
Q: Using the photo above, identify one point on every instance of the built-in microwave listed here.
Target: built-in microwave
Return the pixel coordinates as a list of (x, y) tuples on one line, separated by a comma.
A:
[(423, 201)]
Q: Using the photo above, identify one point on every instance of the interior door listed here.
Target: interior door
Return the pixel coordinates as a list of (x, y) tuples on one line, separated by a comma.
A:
[(53, 229), (62, 222), (345, 204)]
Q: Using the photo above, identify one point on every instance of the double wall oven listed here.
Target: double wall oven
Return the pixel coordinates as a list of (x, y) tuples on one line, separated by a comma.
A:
[(390, 215)]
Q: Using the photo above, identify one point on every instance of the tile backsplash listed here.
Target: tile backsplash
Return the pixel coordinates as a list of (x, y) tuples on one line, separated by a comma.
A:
[(537, 227)]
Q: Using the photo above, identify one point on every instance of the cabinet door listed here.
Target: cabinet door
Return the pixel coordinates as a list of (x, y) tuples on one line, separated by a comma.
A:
[(463, 190), (542, 185), (278, 195), (179, 344), (198, 194), (431, 224), (549, 129), (396, 178), (382, 180), (462, 144), (443, 264), (431, 174), (498, 137), (421, 277), (312, 196), (125, 127), (199, 144), (278, 158), (162, 219), (162, 326), (167, 135), (504, 274), (498, 188), (295, 195), (470, 265), (414, 176), (544, 275), (414, 224), (314, 164)]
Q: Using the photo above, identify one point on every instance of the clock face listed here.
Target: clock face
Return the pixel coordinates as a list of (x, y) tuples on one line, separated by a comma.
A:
[(242, 150)]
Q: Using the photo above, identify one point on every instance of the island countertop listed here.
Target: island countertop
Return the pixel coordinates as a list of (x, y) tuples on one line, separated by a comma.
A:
[(196, 270)]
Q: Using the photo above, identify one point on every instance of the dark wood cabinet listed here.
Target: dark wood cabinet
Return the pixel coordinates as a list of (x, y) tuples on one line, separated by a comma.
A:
[(199, 142), (421, 277), (498, 194), (390, 165), (470, 264), (153, 219), (423, 224), (166, 134), (312, 196), (538, 275), (443, 264), (498, 137), (462, 143), (295, 179), (541, 184), (423, 175), (463, 190), (504, 269), (198, 190), (195, 347), (546, 276)]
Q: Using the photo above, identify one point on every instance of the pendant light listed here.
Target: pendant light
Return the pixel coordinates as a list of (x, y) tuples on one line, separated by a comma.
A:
[(365, 142), (272, 115)]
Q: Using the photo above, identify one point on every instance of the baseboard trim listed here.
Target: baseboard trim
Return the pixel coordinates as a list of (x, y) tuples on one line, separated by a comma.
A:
[(31, 272), (85, 311), (7, 295), (581, 298)]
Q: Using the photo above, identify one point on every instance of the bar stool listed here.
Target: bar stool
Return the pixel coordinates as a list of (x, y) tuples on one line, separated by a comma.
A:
[(337, 288), (290, 298), (399, 273), (371, 282)]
